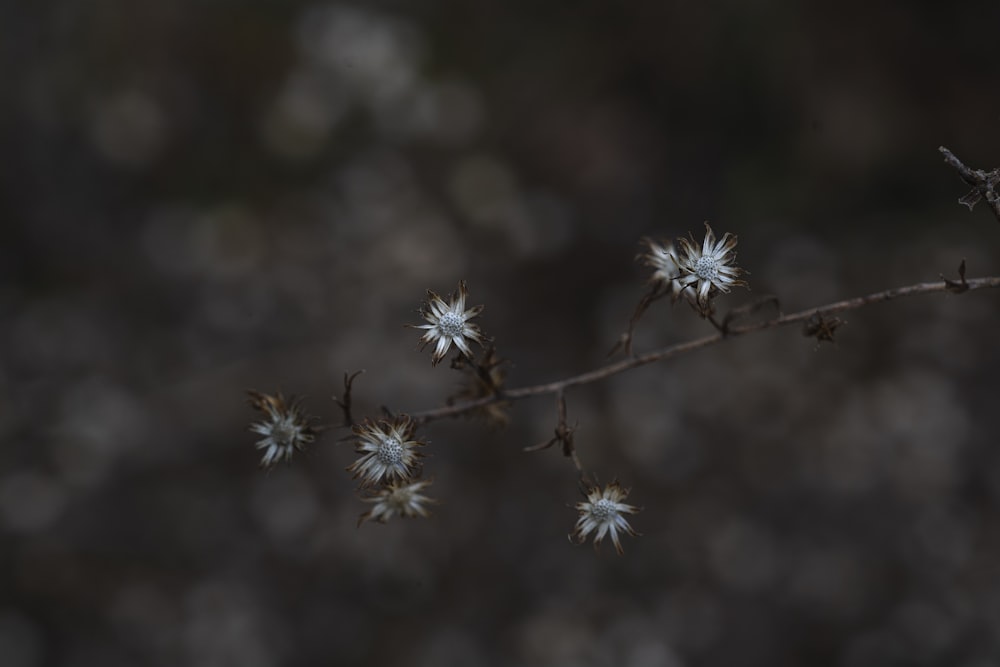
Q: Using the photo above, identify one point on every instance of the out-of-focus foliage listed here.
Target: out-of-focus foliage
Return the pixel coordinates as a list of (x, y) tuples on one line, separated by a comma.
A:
[(202, 197)]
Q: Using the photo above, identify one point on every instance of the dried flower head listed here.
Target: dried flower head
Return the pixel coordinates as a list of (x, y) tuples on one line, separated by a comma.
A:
[(484, 378), (285, 430), (666, 269), (821, 327), (603, 512), (400, 499), (388, 452), (709, 269), (449, 323)]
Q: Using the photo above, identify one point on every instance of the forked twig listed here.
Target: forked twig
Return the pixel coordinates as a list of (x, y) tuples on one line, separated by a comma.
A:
[(345, 402), (984, 183)]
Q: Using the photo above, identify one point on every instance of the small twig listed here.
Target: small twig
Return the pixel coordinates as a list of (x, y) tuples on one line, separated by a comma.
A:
[(960, 285), (656, 292), (721, 327), (671, 351), (345, 402), (563, 435), (984, 183)]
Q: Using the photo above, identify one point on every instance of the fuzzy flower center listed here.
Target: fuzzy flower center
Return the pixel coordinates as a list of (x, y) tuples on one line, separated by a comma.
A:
[(284, 432), (451, 324), (603, 509), (706, 268), (399, 499), (390, 452)]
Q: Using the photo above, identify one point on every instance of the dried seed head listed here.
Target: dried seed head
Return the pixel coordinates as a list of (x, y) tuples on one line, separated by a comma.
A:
[(399, 499), (821, 327), (449, 323), (603, 513), (484, 379), (708, 269), (286, 429), (663, 259), (388, 452)]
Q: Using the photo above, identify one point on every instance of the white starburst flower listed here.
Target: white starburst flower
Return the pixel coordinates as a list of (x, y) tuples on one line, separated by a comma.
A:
[(709, 269), (388, 452), (666, 269), (398, 499), (602, 513), (449, 323), (286, 430)]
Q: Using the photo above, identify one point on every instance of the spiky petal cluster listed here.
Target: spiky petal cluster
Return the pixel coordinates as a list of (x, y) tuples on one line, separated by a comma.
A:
[(286, 428), (398, 499), (388, 451), (603, 513), (708, 269), (666, 268), (449, 323)]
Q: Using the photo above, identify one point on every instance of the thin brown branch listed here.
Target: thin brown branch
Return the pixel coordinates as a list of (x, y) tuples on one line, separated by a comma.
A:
[(563, 435), (345, 403), (671, 351), (657, 291)]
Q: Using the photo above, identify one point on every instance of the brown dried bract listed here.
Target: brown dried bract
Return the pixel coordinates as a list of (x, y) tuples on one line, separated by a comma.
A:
[(484, 379), (960, 285), (821, 327)]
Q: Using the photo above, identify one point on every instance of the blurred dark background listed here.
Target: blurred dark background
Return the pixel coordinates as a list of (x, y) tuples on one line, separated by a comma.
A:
[(204, 197)]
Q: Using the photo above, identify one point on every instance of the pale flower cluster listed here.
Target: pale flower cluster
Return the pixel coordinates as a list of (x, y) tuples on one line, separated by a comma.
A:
[(388, 467), (695, 272)]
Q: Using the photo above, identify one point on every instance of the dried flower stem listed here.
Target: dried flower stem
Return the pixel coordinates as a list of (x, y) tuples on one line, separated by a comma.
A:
[(345, 403), (563, 434), (662, 354), (984, 183)]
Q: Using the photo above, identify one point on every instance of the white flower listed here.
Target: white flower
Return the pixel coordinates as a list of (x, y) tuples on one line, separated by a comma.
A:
[(663, 259), (710, 268), (602, 512), (449, 323), (388, 452), (285, 430), (398, 499)]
